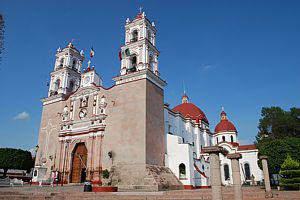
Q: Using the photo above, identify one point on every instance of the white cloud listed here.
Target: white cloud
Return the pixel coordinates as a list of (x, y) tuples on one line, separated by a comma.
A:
[(22, 116), (205, 66)]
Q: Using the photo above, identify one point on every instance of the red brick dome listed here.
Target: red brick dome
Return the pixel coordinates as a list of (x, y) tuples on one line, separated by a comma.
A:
[(225, 125), (189, 110)]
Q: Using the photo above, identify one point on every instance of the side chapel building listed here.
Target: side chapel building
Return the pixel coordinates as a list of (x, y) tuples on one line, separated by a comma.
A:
[(127, 128)]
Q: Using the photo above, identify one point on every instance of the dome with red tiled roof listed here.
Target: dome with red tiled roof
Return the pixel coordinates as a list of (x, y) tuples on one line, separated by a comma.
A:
[(225, 125), (189, 110)]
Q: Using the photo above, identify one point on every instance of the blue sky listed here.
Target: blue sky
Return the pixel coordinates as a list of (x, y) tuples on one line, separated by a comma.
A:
[(242, 55)]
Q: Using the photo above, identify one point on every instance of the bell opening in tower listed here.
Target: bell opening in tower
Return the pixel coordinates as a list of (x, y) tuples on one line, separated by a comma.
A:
[(133, 62), (134, 36)]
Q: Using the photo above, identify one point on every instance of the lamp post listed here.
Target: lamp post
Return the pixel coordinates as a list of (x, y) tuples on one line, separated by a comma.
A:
[(63, 172)]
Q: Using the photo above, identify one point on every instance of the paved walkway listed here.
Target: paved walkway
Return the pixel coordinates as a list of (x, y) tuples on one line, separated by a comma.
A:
[(75, 192)]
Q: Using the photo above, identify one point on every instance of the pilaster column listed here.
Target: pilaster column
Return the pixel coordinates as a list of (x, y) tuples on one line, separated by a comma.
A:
[(264, 160), (215, 172), (64, 168), (236, 175)]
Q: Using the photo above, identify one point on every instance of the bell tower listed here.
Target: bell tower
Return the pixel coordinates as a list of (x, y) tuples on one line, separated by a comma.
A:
[(139, 162), (139, 55), (65, 78), (139, 51)]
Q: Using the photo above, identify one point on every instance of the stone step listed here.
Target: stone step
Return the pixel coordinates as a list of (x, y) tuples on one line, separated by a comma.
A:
[(107, 197), (201, 194)]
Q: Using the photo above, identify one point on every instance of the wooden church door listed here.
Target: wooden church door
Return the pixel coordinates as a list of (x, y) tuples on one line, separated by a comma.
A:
[(79, 161)]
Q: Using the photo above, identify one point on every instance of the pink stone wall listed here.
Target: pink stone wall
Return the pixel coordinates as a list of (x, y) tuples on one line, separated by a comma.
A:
[(48, 135), (155, 140), (125, 130)]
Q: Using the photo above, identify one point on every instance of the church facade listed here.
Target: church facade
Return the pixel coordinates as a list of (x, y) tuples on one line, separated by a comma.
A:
[(126, 129)]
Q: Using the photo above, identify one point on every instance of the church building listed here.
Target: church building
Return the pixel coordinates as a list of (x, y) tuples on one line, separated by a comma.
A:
[(127, 129)]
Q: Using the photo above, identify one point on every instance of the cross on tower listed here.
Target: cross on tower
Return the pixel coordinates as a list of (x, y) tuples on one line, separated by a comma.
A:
[(140, 10)]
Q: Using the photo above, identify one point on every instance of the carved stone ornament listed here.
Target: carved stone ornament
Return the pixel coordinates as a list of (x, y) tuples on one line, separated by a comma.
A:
[(102, 105), (44, 160), (85, 91)]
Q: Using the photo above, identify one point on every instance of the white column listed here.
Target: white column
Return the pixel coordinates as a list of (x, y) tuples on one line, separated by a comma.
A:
[(79, 65), (64, 83), (68, 60), (127, 38), (145, 54)]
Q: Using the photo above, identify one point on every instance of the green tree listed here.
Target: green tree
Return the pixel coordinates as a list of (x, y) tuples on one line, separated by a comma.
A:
[(277, 150), (15, 159), (277, 123), (279, 135), (290, 170)]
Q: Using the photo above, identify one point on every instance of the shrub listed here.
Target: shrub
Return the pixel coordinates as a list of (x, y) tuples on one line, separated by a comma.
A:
[(290, 170), (105, 174)]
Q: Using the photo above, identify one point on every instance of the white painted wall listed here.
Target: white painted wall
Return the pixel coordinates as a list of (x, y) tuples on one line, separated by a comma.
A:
[(178, 153), (179, 130)]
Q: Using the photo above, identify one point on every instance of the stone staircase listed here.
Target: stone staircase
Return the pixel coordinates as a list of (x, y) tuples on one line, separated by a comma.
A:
[(251, 193)]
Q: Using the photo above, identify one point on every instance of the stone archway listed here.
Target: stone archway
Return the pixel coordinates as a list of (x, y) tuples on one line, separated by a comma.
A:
[(79, 161)]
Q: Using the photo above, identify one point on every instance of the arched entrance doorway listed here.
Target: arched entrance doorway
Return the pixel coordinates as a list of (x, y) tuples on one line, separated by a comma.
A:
[(79, 160)]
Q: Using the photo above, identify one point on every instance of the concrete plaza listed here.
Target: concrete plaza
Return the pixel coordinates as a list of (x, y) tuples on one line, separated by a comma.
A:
[(75, 192)]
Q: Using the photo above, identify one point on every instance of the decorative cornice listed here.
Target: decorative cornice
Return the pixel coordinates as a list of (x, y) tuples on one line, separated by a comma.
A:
[(85, 91), (143, 74), (53, 98), (139, 42)]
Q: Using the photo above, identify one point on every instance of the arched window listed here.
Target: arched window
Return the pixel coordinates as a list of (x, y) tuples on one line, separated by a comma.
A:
[(231, 138), (217, 140), (182, 172), (56, 85), (61, 62), (74, 64), (149, 36), (71, 86), (133, 63), (226, 172), (247, 171), (134, 36), (223, 138)]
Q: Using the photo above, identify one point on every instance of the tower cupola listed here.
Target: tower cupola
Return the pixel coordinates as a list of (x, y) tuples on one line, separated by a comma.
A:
[(223, 115), (139, 52), (65, 77), (89, 77), (225, 125), (185, 99)]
